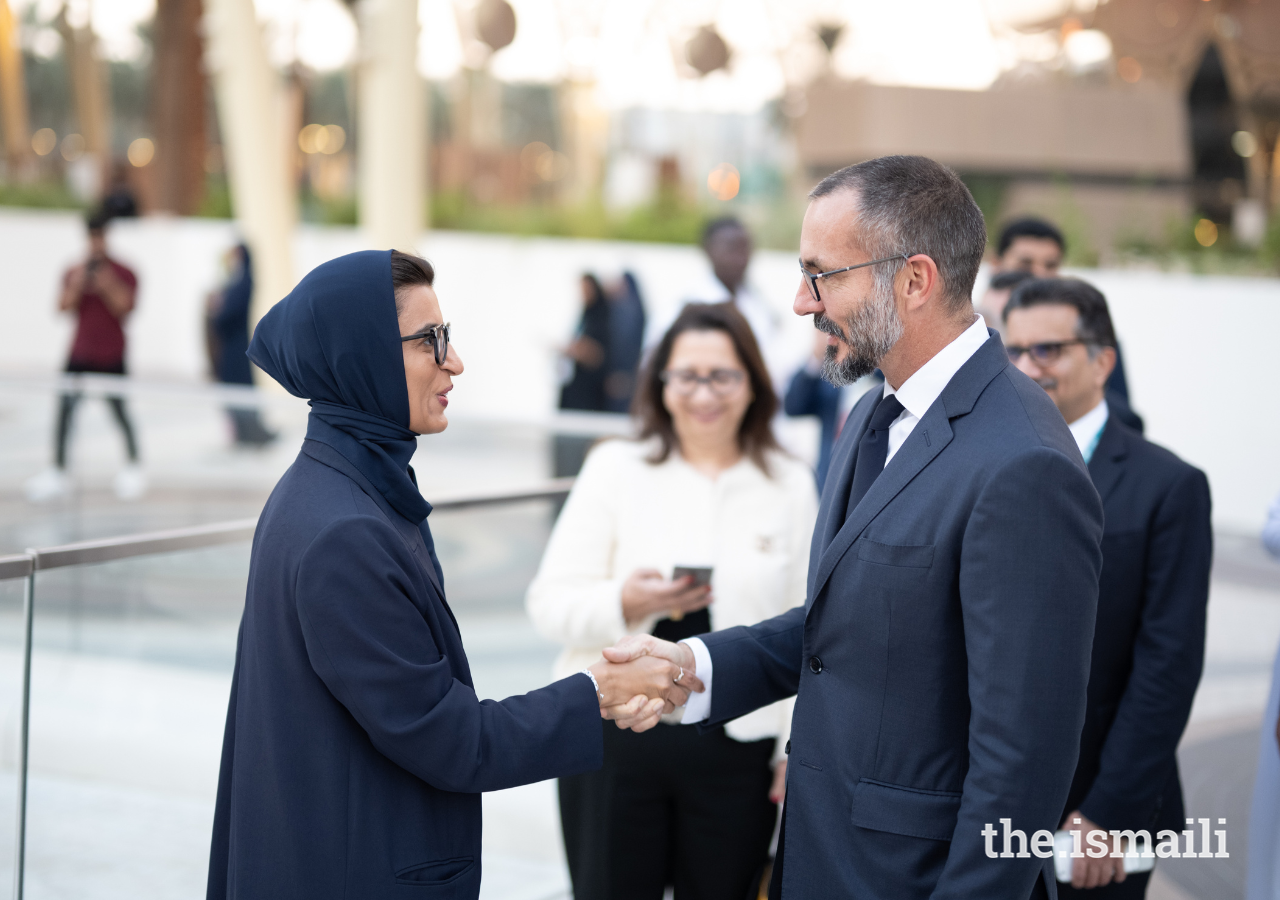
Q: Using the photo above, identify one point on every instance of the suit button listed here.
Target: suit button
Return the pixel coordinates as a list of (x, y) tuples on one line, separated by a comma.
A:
[(815, 665), (787, 749)]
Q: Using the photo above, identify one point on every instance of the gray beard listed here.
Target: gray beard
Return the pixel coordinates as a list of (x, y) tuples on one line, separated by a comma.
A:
[(870, 332)]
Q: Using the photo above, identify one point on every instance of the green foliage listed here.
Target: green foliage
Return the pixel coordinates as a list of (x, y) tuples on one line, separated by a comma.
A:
[(39, 195), (669, 219), (217, 200), (1179, 250), (989, 193)]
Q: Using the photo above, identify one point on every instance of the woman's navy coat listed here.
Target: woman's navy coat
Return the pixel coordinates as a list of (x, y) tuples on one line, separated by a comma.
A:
[(355, 746)]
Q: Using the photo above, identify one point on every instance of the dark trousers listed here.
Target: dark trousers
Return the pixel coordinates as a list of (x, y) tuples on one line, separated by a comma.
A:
[(671, 806), (66, 412)]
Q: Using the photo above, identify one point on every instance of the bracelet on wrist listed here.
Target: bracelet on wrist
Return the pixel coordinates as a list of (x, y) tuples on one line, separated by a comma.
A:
[(595, 684)]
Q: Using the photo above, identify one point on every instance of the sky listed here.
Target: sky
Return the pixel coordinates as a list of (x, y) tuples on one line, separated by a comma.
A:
[(633, 48)]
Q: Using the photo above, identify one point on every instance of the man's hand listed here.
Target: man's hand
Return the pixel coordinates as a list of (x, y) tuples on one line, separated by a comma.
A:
[(778, 790), (636, 692), (635, 646), (1087, 872), (646, 592)]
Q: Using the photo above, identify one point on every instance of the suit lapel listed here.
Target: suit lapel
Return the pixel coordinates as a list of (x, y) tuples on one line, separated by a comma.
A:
[(930, 436), (926, 441), (835, 494), (1106, 467)]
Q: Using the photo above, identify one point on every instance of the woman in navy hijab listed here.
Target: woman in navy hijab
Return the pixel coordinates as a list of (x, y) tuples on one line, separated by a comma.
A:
[(355, 748)]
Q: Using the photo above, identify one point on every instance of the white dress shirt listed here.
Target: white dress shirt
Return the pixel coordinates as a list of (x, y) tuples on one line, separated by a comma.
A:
[(916, 395), (1088, 428), (625, 513)]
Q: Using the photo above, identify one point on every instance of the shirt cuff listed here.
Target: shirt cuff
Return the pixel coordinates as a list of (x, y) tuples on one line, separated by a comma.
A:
[(698, 707)]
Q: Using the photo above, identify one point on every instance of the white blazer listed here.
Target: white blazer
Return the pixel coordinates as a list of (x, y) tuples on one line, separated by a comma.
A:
[(626, 514)]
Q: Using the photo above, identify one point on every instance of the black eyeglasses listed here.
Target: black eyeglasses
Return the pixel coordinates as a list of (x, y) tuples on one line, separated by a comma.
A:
[(722, 382), (1045, 354), (437, 335), (811, 278)]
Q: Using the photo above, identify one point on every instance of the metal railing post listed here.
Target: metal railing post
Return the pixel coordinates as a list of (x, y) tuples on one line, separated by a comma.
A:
[(24, 733)]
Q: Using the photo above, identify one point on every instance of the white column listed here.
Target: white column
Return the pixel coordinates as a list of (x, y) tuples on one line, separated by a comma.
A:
[(247, 93), (391, 146)]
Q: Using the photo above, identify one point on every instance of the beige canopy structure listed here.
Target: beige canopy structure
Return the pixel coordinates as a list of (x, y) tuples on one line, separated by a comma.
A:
[(1115, 161)]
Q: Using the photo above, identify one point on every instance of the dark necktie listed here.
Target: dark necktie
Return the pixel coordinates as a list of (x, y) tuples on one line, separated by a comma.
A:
[(873, 449)]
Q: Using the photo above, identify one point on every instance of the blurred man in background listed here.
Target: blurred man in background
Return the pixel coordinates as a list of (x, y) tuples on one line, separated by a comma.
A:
[(729, 247), (1036, 247), (1030, 245), (100, 292), (1157, 548)]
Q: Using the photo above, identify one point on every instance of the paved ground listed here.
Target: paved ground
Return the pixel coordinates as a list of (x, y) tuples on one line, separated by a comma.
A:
[(133, 658)]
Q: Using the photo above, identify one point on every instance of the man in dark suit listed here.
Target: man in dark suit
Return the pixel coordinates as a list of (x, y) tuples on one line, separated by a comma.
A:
[(941, 659), (1157, 548)]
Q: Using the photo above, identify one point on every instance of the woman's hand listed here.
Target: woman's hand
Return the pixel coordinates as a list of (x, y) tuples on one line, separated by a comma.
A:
[(778, 790), (646, 592)]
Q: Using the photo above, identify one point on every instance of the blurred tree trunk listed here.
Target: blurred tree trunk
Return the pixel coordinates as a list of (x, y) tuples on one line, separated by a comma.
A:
[(247, 95), (90, 90), (13, 97), (178, 110), (392, 160)]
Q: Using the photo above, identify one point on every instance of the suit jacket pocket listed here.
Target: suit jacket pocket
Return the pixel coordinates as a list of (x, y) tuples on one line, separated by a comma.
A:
[(906, 555), (436, 872), (906, 811)]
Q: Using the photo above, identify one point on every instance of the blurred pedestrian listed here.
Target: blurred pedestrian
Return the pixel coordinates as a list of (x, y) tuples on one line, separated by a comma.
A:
[(120, 201), (1157, 549), (626, 343), (809, 394), (1037, 247), (728, 247), (228, 330), (1263, 878), (1030, 245), (705, 487), (101, 293), (588, 351)]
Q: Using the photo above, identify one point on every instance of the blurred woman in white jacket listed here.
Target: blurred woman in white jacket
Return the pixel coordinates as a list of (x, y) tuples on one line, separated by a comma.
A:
[(704, 486)]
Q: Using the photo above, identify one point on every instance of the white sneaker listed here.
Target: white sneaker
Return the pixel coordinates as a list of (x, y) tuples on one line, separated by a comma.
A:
[(130, 483), (48, 485)]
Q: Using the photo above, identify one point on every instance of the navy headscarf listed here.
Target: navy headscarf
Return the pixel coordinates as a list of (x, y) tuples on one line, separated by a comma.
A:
[(335, 341)]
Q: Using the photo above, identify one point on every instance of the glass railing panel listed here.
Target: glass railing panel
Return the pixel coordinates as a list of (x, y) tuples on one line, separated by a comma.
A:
[(11, 640), (131, 671)]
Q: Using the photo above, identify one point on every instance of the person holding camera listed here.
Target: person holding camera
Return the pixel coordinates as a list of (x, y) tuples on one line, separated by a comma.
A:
[(101, 293)]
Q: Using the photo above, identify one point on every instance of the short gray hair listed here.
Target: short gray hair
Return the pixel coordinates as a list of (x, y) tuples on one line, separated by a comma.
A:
[(912, 204)]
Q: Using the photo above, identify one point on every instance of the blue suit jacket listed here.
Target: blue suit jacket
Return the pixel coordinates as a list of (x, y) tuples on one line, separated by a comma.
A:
[(942, 656), (355, 747), (1148, 648)]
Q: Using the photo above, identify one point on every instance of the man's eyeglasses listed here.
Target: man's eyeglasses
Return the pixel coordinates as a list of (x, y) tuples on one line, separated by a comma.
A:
[(811, 278), (1045, 354), (437, 335), (722, 382)]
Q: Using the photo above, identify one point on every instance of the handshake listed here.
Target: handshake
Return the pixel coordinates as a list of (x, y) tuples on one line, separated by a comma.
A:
[(641, 678)]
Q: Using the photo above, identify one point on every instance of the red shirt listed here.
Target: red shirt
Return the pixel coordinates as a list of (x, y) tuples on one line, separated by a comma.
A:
[(99, 340)]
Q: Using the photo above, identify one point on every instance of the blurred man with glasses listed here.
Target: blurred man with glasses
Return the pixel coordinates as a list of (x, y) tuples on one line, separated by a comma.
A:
[(1148, 644)]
